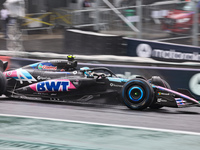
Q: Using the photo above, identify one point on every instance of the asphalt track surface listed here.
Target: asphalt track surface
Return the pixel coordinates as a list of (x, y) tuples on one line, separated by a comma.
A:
[(182, 119)]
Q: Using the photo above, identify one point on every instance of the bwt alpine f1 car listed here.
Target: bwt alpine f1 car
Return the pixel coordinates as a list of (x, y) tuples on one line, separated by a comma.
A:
[(59, 80)]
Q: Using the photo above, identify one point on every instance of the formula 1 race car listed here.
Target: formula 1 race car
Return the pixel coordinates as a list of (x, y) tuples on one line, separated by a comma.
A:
[(59, 80)]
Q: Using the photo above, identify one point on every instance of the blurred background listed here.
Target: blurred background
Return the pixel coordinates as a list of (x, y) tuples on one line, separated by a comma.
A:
[(173, 21)]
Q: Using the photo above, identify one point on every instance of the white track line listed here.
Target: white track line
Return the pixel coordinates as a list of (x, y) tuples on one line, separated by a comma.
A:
[(102, 124)]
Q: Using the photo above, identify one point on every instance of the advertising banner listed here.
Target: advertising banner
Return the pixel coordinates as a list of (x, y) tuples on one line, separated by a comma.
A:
[(162, 51)]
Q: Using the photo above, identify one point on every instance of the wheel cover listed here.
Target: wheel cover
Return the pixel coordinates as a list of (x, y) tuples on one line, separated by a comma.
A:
[(135, 93)]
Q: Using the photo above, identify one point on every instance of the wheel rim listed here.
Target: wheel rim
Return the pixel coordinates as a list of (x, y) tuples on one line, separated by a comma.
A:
[(135, 93)]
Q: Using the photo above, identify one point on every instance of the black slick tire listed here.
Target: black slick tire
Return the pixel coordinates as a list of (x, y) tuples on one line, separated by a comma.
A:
[(137, 94), (3, 83)]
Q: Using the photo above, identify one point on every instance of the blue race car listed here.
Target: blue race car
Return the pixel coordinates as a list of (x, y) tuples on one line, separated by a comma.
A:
[(59, 80)]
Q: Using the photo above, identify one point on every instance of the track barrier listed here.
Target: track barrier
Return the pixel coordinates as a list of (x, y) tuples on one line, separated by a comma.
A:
[(92, 43), (38, 21)]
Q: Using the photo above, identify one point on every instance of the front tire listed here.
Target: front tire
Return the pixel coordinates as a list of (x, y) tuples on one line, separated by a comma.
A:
[(137, 94)]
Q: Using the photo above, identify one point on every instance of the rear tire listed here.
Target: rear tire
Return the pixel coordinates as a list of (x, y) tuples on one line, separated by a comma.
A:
[(3, 83), (156, 80), (137, 94)]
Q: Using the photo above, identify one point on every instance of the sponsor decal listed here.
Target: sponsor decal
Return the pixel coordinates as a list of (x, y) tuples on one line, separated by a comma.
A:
[(40, 66), (47, 66), (61, 85), (161, 100), (194, 84), (145, 50), (52, 86), (9, 73), (115, 85), (159, 93), (43, 78), (76, 82)]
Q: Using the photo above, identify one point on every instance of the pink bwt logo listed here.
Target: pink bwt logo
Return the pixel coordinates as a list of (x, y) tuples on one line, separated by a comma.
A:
[(52, 86), (61, 85)]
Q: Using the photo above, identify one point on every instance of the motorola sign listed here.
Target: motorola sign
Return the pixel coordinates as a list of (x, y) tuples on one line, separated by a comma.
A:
[(144, 50), (164, 51)]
